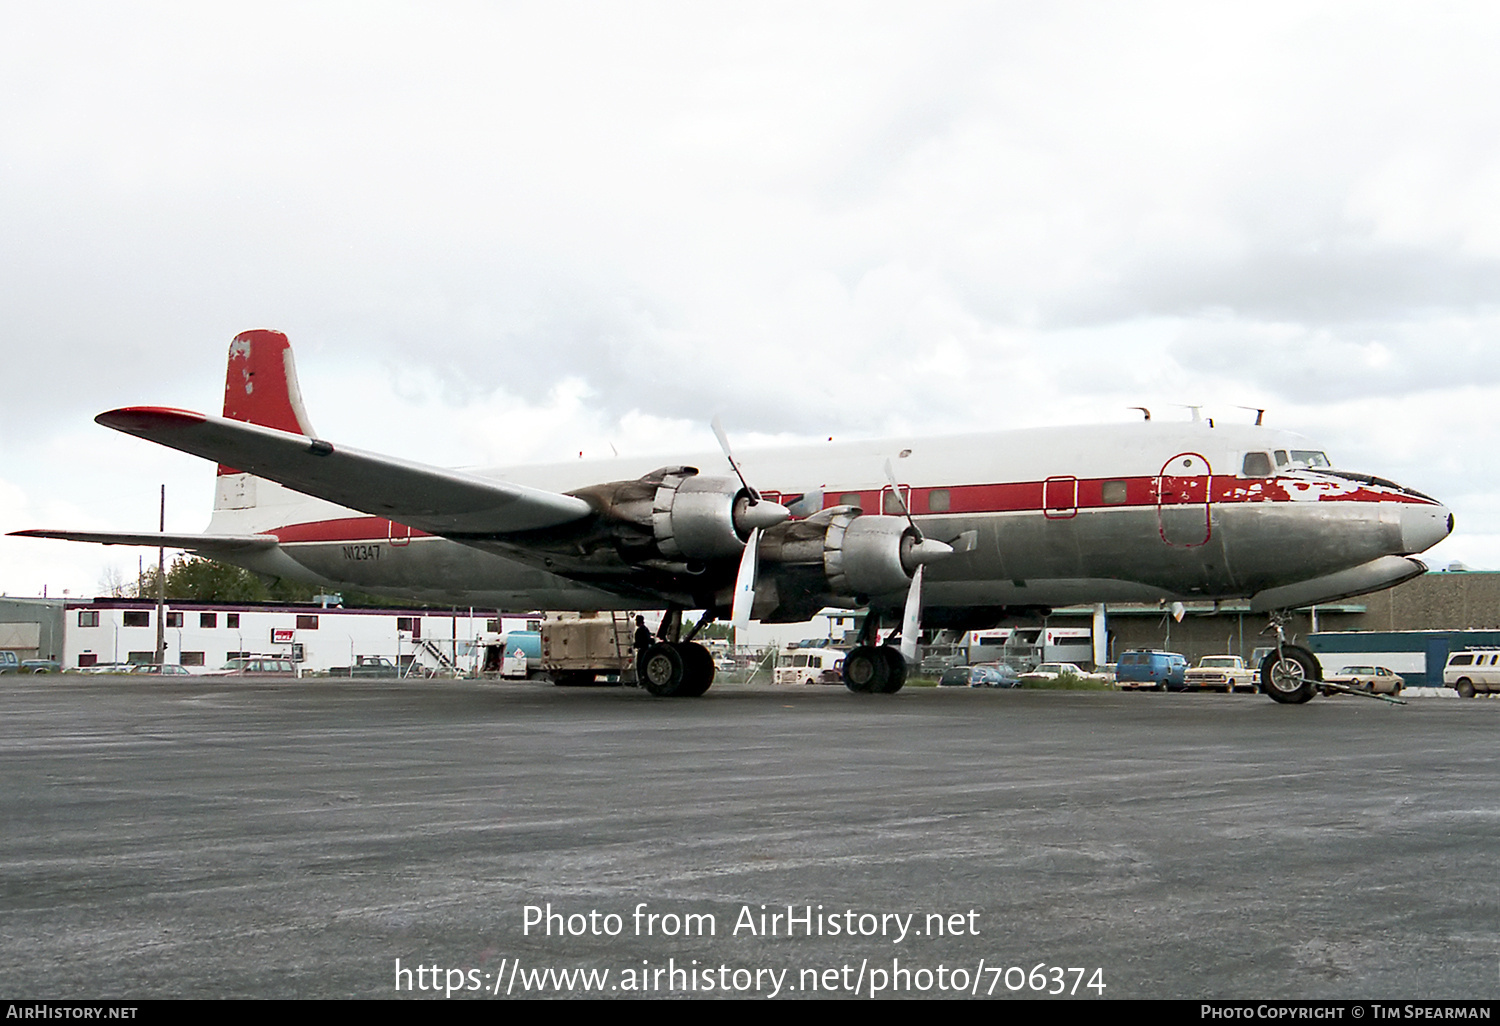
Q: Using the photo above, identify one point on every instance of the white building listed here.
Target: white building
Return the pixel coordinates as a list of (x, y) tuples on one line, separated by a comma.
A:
[(208, 634)]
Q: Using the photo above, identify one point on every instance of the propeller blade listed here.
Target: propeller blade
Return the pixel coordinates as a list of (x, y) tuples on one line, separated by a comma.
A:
[(744, 583), (911, 622), (723, 438), (890, 475)]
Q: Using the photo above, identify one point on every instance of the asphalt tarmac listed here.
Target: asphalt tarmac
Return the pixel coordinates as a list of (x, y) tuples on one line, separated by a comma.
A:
[(381, 839)]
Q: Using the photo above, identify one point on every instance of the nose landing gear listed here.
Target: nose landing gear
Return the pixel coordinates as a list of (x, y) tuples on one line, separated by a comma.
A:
[(1291, 673)]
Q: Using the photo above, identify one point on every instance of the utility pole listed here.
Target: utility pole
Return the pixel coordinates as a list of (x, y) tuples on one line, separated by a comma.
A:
[(161, 586)]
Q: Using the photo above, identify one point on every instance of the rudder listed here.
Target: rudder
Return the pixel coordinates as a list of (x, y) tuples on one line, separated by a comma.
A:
[(260, 387)]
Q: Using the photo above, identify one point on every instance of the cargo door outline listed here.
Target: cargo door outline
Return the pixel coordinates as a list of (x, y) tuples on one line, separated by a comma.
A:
[(1060, 497), (1182, 500)]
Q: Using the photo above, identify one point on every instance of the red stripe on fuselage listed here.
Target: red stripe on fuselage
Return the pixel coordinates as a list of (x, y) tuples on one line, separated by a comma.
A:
[(1018, 497), (347, 529), (1138, 491)]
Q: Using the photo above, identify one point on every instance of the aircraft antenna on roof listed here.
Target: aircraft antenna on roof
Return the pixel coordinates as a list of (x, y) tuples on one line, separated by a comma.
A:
[(1143, 410), (1260, 413), (1197, 410)]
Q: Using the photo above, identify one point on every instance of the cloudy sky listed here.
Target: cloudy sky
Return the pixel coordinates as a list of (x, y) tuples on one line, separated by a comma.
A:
[(513, 232)]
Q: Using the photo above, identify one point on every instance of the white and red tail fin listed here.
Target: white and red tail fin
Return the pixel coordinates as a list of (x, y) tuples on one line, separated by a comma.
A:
[(260, 385)]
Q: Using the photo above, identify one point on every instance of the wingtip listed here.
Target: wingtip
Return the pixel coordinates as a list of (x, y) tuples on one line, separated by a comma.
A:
[(138, 419)]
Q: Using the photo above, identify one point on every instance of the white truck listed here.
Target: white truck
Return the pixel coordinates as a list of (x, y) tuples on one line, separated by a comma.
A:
[(1220, 673), (810, 666)]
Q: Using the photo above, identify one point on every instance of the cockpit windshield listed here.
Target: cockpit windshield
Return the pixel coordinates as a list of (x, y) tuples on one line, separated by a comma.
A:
[(1259, 464), (1310, 458)]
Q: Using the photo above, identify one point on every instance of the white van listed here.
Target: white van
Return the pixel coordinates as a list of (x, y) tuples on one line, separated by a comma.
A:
[(1474, 671), (810, 666)]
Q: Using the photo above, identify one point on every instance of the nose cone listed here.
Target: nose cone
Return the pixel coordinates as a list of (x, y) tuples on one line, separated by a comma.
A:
[(762, 514), (1424, 526)]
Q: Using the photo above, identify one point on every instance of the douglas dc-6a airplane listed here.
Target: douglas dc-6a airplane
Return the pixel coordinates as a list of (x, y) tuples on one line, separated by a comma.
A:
[(970, 530)]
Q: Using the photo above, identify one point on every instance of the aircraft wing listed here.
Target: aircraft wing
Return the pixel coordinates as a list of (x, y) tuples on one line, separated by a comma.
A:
[(430, 499), (193, 542)]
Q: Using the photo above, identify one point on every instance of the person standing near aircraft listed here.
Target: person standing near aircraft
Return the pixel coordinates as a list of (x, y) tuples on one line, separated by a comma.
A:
[(643, 641)]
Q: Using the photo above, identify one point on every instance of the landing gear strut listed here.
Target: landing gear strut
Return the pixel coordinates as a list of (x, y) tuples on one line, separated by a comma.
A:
[(1290, 674), (874, 669), (672, 668)]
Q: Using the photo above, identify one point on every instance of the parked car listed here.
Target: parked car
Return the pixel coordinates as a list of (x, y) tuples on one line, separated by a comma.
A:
[(1149, 668), (1008, 675), (260, 666), (1051, 671), (981, 676), (161, 670), (1376, 679), (1475, 671)]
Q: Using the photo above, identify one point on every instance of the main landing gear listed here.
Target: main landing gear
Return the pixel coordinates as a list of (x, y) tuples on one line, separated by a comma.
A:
[(874, 669), (1290, 674), (676, 669)]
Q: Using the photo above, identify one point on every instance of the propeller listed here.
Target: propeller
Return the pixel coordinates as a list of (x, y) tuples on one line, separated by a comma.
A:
[(923, 551), (757, 514)]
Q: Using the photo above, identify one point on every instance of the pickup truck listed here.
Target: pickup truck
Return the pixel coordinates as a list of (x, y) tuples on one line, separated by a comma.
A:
[(1220, 673), (367, 666), (12, 663)]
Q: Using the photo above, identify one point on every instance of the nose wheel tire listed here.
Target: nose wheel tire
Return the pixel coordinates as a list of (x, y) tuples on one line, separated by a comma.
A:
[(1292, 677)]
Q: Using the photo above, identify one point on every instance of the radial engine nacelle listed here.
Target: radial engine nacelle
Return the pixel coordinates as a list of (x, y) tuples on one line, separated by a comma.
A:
[(698, 517), (679, 514), (858, 556)]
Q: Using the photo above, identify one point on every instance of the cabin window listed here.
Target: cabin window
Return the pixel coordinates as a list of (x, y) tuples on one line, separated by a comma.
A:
[(849, 499), (1113, 493), (207, 620), (1257, 464), (893, 504), (938, 500)]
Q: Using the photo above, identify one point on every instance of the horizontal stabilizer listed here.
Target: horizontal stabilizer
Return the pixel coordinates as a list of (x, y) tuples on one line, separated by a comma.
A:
[(194, 542), (431, 499)]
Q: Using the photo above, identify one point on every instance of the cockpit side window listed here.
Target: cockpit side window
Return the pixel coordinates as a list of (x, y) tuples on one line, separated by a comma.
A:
[(1257, 464), (1281, 458)]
